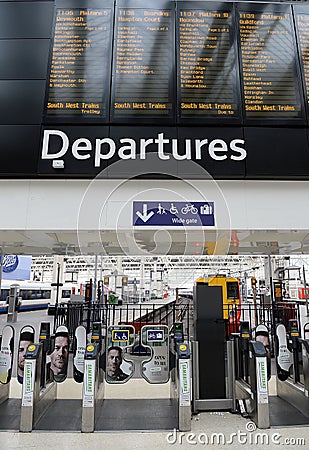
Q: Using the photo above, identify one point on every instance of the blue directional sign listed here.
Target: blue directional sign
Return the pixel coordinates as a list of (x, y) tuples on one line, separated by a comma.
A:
[(155, 336), (173, 214)]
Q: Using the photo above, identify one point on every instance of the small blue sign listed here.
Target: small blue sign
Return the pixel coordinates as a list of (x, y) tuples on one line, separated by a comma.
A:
[(194, 214), (120, 335), (155, 336)]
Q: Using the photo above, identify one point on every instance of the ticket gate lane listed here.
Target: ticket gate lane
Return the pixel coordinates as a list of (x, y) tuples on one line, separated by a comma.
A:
[(41, 410), (212, 356), (139, 414), (148, 413), (290, 407)]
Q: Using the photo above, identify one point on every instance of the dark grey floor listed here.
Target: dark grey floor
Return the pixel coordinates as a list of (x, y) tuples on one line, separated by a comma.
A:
[(281, 413), (62, 415), (10, 414), (137, 415)]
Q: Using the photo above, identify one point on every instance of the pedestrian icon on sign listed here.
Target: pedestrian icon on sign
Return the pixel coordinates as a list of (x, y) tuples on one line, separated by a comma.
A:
[(161, 210)]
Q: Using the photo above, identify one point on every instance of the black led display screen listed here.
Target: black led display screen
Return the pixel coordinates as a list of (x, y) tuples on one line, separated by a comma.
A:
[(302, 28), (269, 68), (79, 75), (183, 62), (143, 63), (207, 71)]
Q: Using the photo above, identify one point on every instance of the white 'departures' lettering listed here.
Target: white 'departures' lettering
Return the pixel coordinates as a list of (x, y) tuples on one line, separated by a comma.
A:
[(129, 148)]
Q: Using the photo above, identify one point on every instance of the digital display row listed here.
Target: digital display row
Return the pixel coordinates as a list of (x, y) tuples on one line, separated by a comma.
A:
[(216, 66), (269, 66), (79, 71), (207, 70), (143, 64)]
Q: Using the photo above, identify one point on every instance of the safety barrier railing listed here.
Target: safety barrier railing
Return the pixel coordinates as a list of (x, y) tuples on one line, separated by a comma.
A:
[(73, 315)]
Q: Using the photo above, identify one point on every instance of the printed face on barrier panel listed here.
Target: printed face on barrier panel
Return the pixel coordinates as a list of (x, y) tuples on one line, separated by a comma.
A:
[(156, 338), (6, 354), (262, 335), (120, 340), (26, 338), (60, 355)]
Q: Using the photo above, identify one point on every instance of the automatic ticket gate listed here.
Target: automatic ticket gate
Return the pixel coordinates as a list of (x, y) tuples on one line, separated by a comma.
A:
[(116, 360), (292, 358), (144, 356), (212, 355), (290, 407), (251, 377), (46, 365), (9, 407)]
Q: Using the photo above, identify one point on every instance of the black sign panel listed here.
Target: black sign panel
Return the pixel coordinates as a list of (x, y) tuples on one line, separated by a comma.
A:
[(80, 66), (143, 63), (276, 153), (270, 72), (208, 87), (23, 20)]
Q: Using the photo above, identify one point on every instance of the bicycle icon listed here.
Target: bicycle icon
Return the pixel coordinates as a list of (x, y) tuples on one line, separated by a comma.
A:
[(189, 209)]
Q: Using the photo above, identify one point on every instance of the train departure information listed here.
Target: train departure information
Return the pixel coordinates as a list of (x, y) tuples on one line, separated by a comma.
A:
[(143, 63), (303, 31), (269, 66), (207, 69), (79, 72)]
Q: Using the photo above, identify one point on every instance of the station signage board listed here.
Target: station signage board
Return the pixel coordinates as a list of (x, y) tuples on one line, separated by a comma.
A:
[(222, 85), (196, 214)]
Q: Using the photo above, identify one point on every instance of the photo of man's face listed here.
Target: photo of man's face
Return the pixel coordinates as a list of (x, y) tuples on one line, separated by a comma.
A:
[(26, 338), (59, 357), (114, 361), (114, 373), (23, 345)]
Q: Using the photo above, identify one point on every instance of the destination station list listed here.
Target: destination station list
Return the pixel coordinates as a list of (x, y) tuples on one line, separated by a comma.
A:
[(206, 64), (268, 66), (142, 64), (78, 75), (303, 31)]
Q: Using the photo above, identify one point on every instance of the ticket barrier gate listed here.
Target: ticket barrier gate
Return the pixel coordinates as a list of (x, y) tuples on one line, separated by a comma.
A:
[(290, 407), (292, 374), (100, 413), (35, 400), (93, 387), (212, 354), (9, 407), (38, 390), (251, 387), (41, 409)]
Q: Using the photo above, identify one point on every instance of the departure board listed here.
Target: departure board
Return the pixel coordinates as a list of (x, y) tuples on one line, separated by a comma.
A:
[(79, 73), (143, 63), (302, 21), (268, 59), (207, 81)]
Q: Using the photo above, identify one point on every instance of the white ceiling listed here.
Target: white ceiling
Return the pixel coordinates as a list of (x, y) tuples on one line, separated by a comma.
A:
[(155, 242)]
